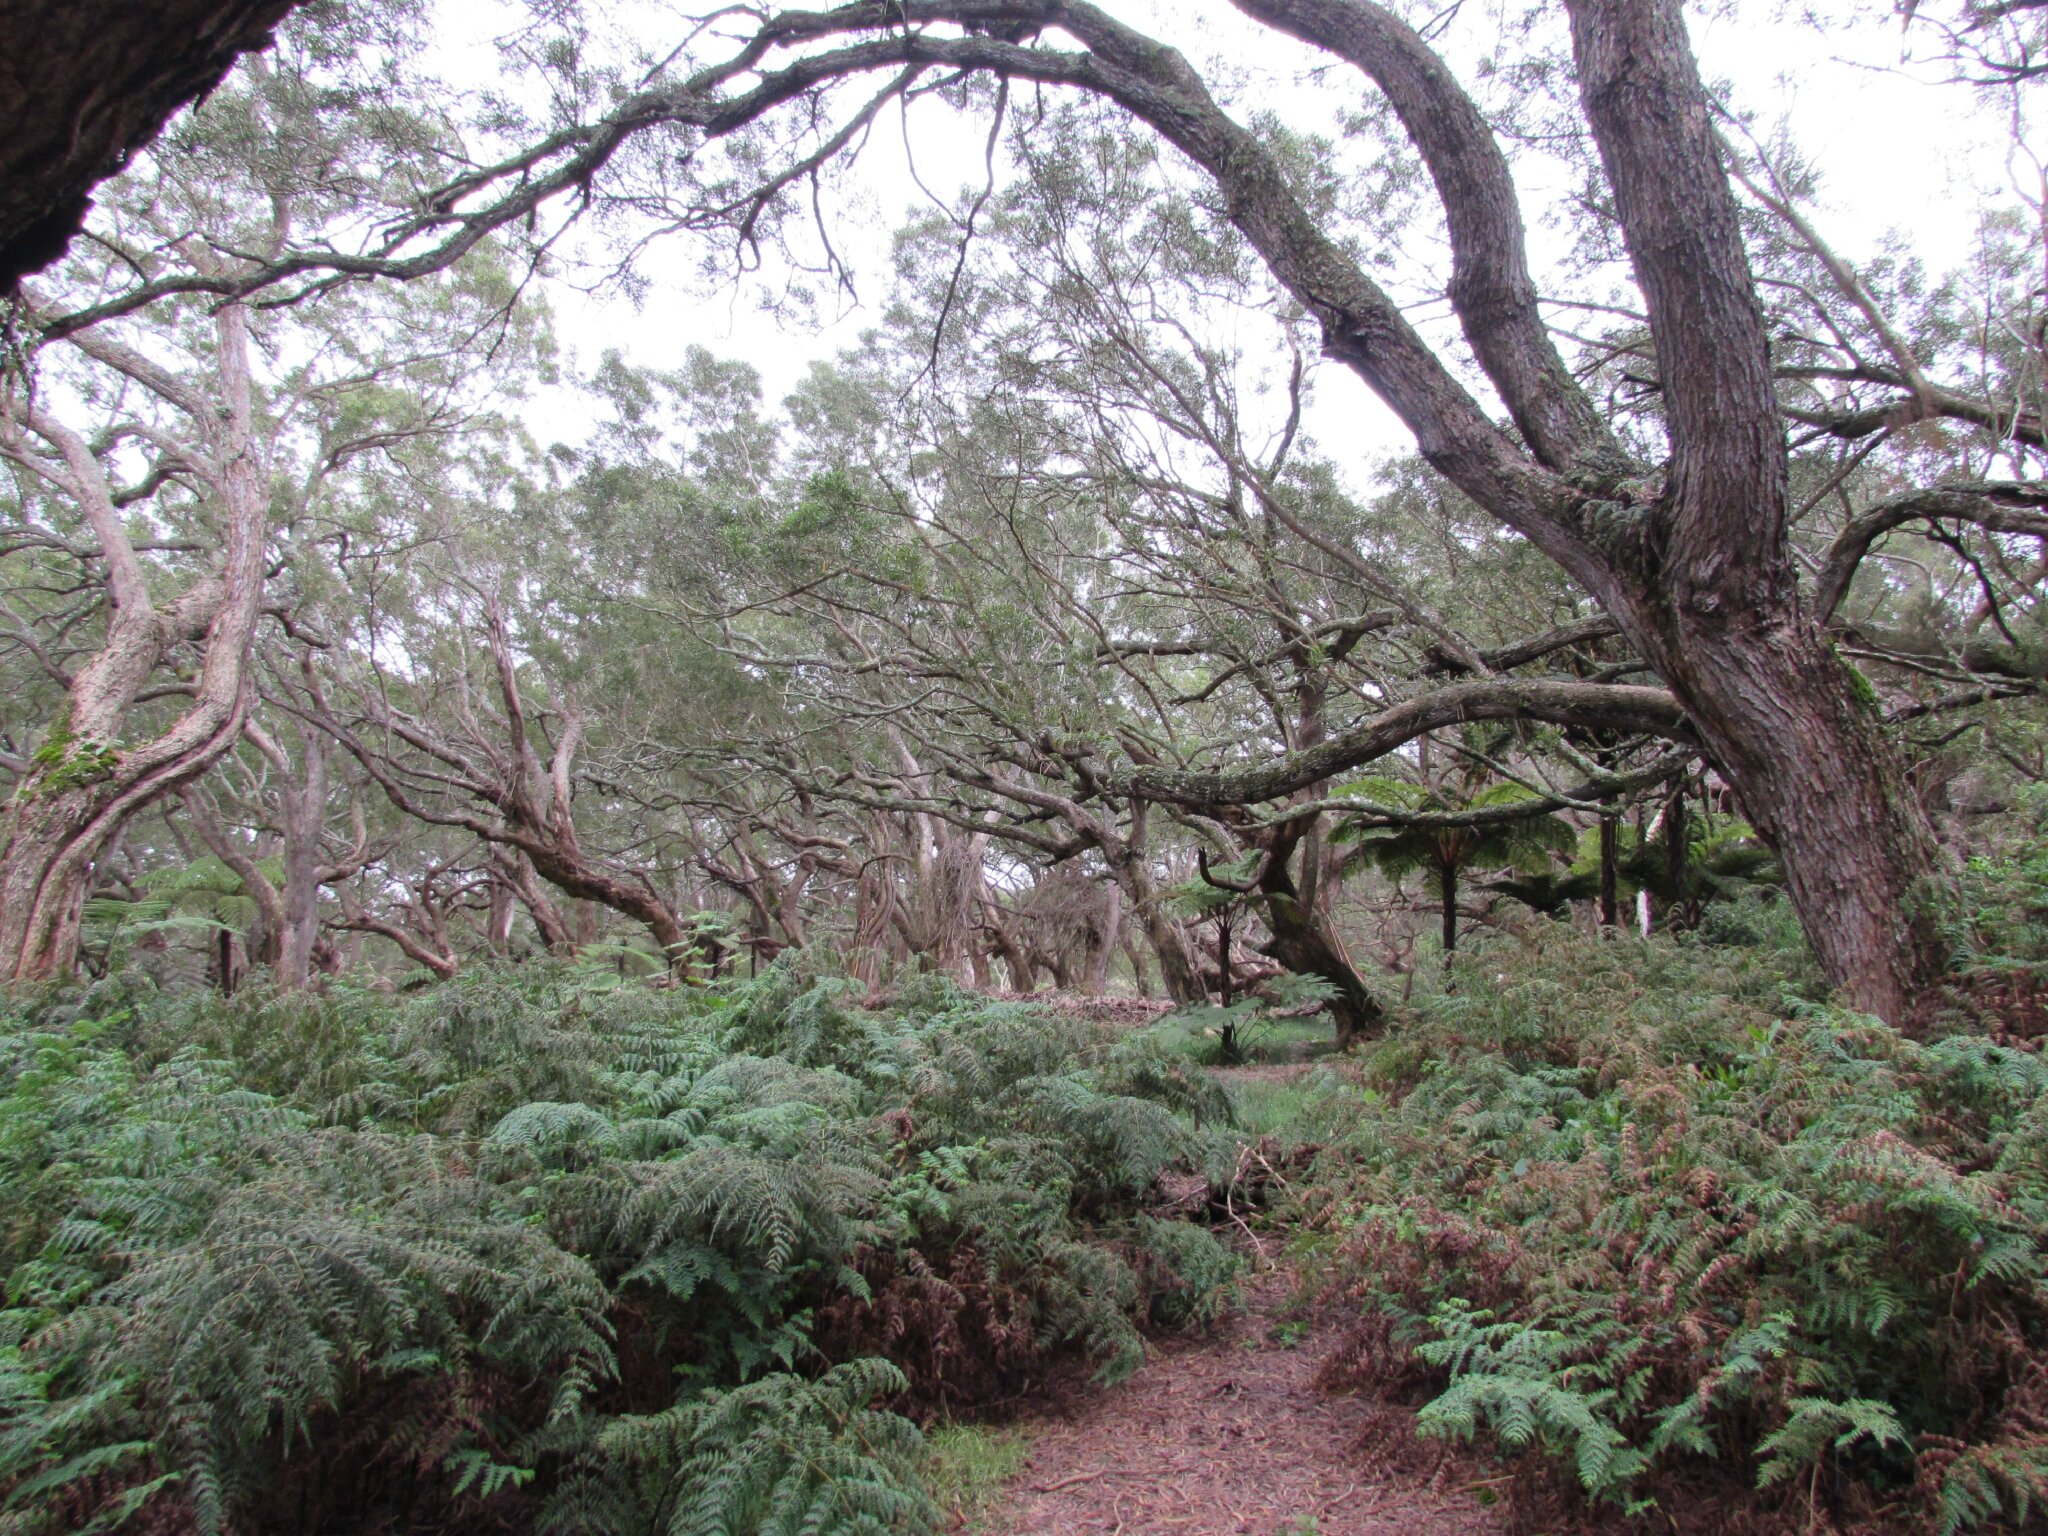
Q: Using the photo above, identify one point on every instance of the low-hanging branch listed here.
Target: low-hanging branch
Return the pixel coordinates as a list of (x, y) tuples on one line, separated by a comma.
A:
[(1584, 796), (1650, 711)]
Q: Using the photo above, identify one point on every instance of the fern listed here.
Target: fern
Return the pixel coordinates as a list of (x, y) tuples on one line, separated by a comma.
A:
[(1519, 1381), (1818, 1425), (271, 1244), (1638, 1209), (781, 1456)]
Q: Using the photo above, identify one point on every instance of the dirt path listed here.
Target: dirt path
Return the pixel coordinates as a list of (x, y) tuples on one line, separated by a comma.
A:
[(1229, 1436)]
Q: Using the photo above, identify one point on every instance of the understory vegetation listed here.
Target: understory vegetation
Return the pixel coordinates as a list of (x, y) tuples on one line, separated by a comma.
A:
[(526, 1252), (1659, 1225), (537, 1250)]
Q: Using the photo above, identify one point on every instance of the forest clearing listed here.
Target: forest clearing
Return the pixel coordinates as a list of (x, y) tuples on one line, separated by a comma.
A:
[(990, 767)]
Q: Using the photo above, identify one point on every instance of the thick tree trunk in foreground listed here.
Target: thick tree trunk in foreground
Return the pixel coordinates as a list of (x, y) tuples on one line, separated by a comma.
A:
[(1708, 591), (1801, 742), (1691, 559), (83, 85)]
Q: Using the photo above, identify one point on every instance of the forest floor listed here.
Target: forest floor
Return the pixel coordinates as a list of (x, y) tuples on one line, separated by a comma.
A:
[(1230, 1434)]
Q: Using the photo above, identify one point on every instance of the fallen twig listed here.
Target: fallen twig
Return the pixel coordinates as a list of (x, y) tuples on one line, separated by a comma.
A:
[(1072, 1482)]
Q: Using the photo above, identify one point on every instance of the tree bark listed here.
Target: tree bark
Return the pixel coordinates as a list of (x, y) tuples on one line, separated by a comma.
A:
[(1610, 876), (86, 83), (304, 807), (1308, 948), (1177, 975), (83, 786)]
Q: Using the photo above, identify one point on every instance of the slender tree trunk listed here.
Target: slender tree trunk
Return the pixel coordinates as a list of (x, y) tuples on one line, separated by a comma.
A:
[(1140, 976), (1103, 926), (305, 816), (1177, 975), (504, 908), (874, 909), (1224, 924), (1023, 978), (266, 930), (1677, 858), (1447, 883), (1610, 885)]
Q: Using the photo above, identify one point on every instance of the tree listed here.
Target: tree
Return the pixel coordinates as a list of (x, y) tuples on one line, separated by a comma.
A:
[(83, 783), (1649, 463), (178, 462), (1681, 531), (1444, 851)]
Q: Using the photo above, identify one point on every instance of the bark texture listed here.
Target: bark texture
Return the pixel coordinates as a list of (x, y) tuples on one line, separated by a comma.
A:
[(84, 784), (86, 83)]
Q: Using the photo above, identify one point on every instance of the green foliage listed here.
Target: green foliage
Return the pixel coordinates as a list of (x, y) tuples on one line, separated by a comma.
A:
[(565, 1254), (203, 895), (2005, 924), (781, 1456), (967, 1464), (1526, 843), (1627, 1205), (1284, 1016)]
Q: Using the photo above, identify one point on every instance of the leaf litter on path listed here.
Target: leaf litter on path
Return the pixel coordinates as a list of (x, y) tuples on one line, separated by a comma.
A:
[(1229, 1435)]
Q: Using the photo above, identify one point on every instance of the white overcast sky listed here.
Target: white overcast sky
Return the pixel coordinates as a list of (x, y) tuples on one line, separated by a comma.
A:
[(1900, 150)]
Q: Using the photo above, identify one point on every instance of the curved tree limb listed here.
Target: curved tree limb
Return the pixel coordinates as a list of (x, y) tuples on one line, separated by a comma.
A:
[(1555, 702), (1995, 506)]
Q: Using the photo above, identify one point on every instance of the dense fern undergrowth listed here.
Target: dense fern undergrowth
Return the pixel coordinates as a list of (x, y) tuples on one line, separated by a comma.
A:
[(534, 1251), (1660, 1227), (521, 1253)]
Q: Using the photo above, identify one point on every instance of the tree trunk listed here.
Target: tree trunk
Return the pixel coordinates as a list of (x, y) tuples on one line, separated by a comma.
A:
[(1677, 861), (503, 910), (107, 76), (1447, 883), (305, 816), (45, 874), (1224, 924), (266, 930), (1307, 948), (1099, 942), (1177, 975), (1023, 977), (874, 909), (1610, 882), (83, 786), (515, 871), (1708, 592), (1804, 748), (1140, 976)]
